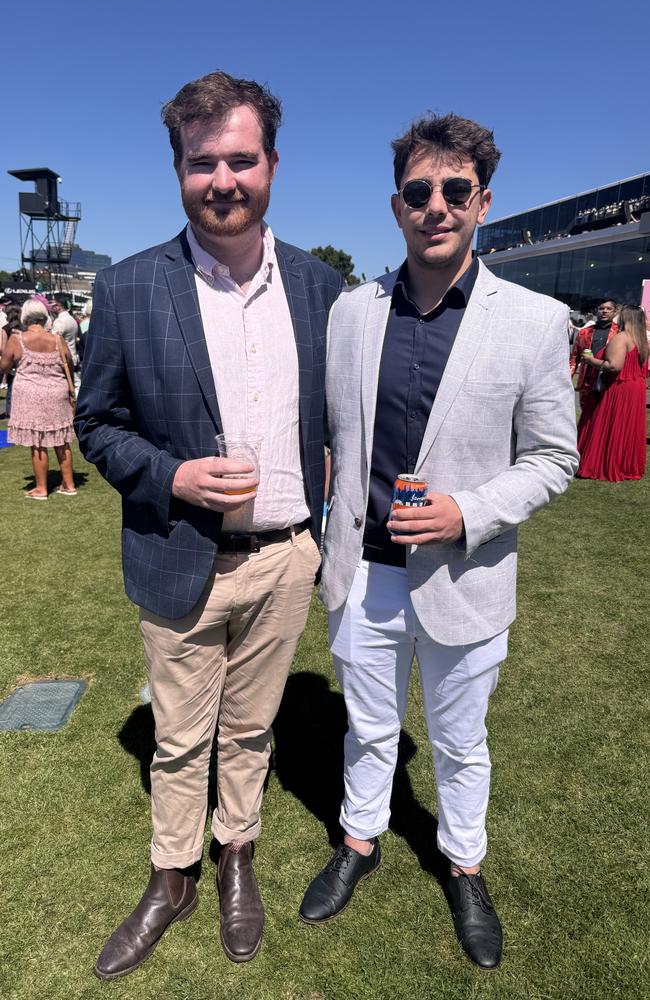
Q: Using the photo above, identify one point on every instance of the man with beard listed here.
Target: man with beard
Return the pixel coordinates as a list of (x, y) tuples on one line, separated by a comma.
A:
[(220, 330), (446, 373), (594, 338)]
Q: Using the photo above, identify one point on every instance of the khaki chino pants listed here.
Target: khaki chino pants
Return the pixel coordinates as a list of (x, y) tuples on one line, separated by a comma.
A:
[(225, 664)]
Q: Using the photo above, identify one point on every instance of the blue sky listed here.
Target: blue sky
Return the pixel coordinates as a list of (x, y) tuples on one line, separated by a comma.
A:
[(564, 85)]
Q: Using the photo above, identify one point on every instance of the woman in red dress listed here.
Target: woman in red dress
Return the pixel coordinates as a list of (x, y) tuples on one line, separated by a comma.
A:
[(612, 435)]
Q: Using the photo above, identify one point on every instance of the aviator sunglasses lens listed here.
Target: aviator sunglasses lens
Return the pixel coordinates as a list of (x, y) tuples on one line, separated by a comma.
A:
[(456, 190)]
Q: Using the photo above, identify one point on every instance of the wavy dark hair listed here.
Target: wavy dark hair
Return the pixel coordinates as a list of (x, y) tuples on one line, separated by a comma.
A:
[(450, 136), (212, 98)]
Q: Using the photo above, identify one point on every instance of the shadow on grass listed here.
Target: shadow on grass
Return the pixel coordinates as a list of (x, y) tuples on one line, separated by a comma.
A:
[(308, 761), (54, 480), (137, 737)]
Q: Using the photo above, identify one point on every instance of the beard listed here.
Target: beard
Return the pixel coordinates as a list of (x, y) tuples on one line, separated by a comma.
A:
[(226, 216)]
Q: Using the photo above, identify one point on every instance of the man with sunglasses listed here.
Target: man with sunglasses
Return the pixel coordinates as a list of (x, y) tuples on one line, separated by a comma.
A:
[(444, 371)]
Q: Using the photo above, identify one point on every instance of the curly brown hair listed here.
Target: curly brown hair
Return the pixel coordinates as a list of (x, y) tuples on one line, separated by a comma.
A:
[(212, 98), (447, 135)]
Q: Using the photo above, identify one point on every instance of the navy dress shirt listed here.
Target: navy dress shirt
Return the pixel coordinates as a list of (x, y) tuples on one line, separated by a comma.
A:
[(414, 356)]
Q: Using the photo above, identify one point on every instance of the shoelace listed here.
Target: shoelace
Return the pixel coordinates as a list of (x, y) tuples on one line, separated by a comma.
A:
[(478, 896), (340, 860)]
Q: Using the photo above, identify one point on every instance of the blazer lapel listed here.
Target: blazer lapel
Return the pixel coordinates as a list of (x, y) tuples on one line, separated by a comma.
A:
[(294, 287), (468, 340), (179, 272), (374, 330)]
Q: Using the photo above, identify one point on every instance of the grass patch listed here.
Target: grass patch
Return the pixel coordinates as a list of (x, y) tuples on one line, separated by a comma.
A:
[(568, 818)]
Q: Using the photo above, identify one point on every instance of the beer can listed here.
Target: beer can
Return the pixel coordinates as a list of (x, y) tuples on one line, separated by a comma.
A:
[(409, 491)]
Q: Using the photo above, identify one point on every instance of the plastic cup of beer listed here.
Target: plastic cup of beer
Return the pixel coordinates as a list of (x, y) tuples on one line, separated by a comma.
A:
[(247, 452)]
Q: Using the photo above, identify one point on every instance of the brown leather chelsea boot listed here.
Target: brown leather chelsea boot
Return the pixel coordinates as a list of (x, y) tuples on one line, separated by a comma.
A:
[(240, 905), (171, 895)]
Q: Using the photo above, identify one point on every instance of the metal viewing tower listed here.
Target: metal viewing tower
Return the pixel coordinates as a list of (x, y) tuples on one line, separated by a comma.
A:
[(47, 228)]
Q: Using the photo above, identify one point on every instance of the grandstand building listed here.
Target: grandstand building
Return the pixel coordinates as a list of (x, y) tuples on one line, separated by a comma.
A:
[(577, 249)]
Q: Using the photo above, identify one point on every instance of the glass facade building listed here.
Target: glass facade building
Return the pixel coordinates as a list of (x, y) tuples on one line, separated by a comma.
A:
[(578, 249), (88, 260)]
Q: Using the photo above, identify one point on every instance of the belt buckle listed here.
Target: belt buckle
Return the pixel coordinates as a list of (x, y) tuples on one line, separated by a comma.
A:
[(239, 541), (244, 542)]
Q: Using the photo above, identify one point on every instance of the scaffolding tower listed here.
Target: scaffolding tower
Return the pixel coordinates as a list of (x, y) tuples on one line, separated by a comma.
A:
[(48, 227)]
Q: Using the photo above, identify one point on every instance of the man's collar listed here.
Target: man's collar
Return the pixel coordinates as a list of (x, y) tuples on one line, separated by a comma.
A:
[(205, 263), (465, 283)]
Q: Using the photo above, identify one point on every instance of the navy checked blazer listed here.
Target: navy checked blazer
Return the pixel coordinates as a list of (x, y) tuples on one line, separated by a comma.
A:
[(148, 403)]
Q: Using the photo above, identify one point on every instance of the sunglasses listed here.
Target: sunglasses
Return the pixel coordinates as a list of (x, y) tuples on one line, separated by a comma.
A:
[(455, 191)]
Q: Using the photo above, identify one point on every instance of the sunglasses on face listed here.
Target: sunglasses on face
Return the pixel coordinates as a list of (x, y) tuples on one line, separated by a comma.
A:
[(455, 191)]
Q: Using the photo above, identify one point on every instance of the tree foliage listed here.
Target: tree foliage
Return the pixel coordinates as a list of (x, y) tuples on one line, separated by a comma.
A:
[(339, 260)]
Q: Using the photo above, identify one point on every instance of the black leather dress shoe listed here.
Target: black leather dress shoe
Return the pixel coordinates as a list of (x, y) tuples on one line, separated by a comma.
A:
[(170, 896), (332, 889), (477, 925)]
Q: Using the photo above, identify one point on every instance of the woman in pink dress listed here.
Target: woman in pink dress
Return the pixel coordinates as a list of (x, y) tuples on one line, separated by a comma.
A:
[(612, 435), (41, 413)]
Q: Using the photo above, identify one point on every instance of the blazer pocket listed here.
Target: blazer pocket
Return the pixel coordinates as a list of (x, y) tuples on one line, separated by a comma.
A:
[(490, 390)]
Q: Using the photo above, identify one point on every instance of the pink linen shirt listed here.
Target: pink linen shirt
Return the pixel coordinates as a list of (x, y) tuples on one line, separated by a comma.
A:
[(254, 362)]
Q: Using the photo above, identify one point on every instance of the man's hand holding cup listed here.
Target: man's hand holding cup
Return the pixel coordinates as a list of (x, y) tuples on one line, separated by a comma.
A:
[(224, 483)]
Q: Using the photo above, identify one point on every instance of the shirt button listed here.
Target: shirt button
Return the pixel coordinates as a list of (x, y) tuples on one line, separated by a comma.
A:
[(358, 522), (253, 349), (412, 415), (416, 368), (256, 396), (420, 321)]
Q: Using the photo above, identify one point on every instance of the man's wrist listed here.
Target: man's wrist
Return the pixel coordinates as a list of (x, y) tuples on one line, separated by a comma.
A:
[(461, 536), (178, 483)]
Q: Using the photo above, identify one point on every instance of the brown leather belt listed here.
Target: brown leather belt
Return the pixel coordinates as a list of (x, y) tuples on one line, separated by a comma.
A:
[(236, 541)]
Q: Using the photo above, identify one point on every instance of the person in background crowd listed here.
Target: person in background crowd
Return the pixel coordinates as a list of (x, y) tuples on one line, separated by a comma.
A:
[(41, 412), (444, 371), (576, 323), (592, 338), (5, 302), (612, 434), (12, 323), (65, 324), (223, 328), (40, 297), (86, 314), (83, 330)]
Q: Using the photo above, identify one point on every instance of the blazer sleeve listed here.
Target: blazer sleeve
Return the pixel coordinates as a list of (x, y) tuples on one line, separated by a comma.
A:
[(108, 438), (546, 458)]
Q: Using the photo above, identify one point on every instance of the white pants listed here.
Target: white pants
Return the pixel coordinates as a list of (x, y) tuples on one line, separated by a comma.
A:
[(374, 638)]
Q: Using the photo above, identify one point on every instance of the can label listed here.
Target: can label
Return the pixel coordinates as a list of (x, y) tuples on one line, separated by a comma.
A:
[(409, 491)]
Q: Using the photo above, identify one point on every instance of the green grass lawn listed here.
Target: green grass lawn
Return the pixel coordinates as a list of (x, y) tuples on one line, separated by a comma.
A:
[(568, 821)]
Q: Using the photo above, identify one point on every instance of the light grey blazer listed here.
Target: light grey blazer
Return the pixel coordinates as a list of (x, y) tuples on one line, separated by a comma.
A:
[(501, 440)]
